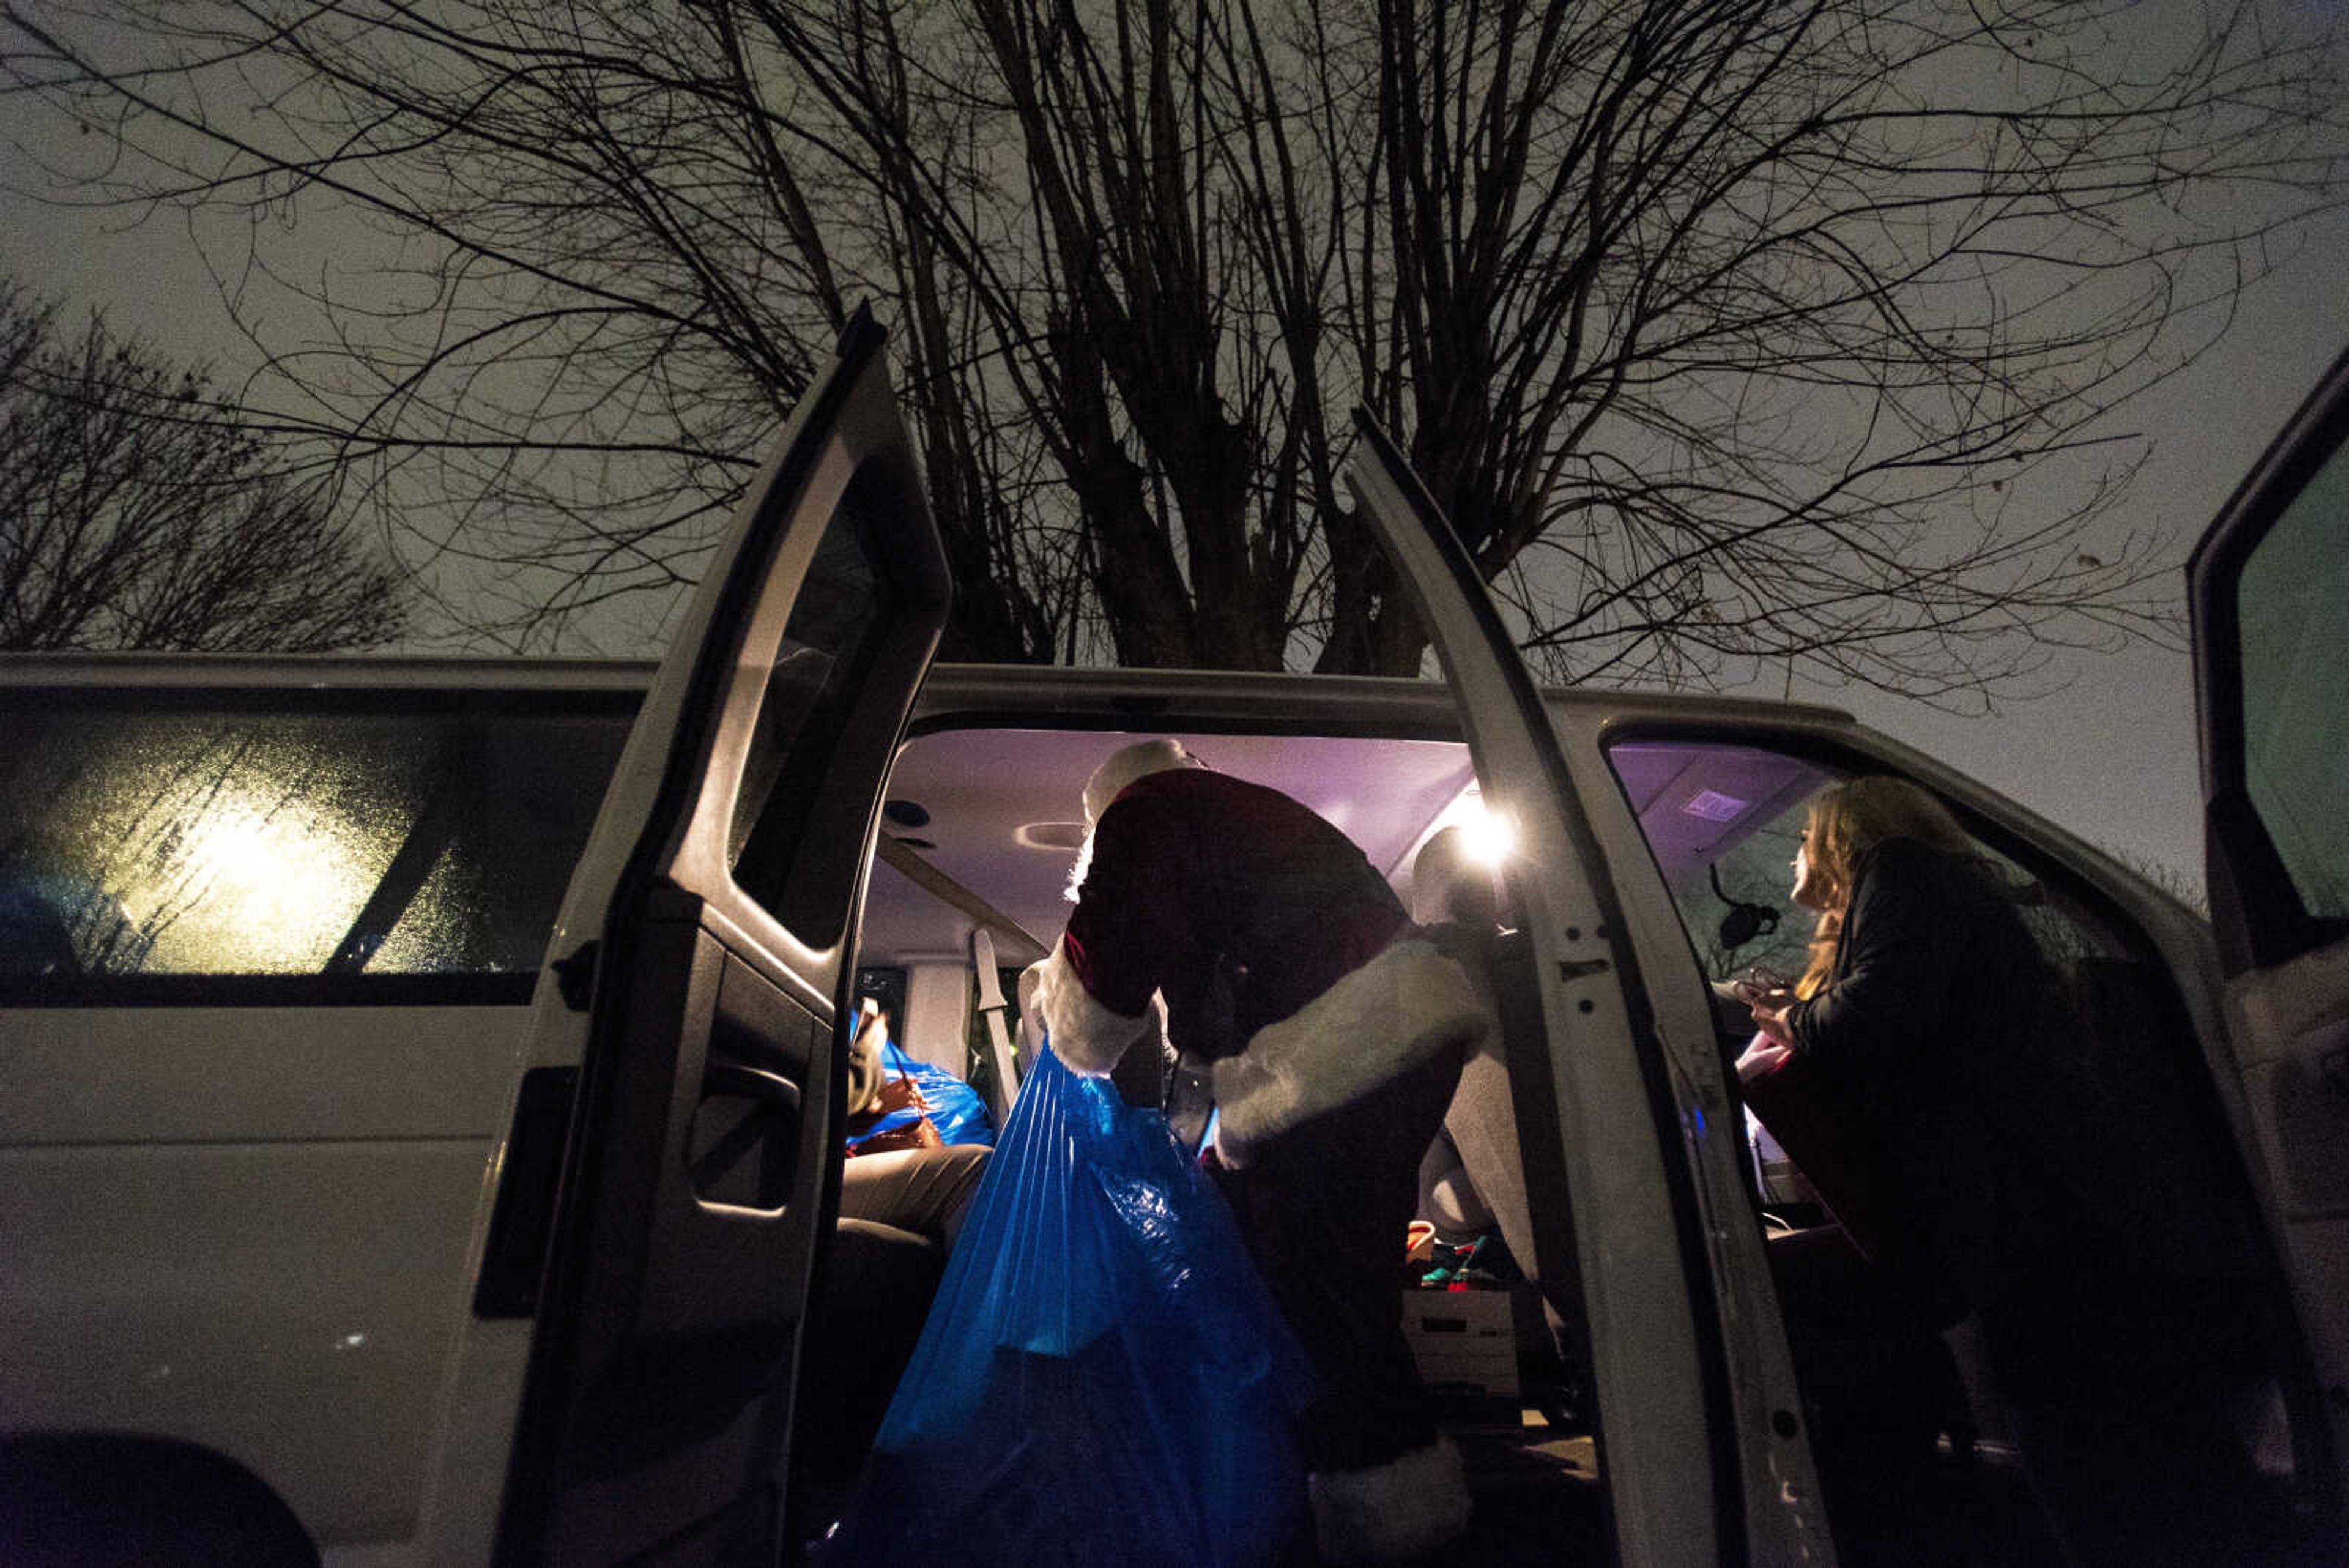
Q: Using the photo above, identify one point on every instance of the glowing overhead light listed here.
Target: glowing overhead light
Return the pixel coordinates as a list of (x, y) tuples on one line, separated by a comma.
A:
[(1487, 836), (1491, 837)]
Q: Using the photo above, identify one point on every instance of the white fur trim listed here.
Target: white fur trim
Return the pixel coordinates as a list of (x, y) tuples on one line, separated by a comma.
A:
[(1390, 1511), (1087, 1036), (1384, 1018), (1128, 764)]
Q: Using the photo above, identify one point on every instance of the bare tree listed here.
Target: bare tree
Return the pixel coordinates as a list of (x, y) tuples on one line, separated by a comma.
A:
[(136, 512), (1725, 331)]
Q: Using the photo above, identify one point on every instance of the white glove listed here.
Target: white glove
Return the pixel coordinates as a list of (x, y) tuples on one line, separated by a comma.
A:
[(1087, 1037), (1035, 988)]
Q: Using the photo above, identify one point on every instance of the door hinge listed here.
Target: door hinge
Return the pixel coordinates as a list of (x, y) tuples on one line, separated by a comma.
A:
[(575, 977)]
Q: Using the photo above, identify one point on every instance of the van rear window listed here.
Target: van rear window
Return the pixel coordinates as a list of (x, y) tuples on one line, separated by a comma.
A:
[(334, 836)]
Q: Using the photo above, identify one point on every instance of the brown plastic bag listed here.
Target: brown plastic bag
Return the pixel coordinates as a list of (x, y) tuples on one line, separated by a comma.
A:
[(900, 1094)]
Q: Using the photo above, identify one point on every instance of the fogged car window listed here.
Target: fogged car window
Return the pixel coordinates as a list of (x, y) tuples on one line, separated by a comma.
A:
[(146, 841)]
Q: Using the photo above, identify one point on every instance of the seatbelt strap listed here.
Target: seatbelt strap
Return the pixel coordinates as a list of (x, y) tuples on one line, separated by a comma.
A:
[(992, 1007), (1025, 949)]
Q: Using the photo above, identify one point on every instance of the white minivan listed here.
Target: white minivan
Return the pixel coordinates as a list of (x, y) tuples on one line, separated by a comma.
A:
[(421, 1083)]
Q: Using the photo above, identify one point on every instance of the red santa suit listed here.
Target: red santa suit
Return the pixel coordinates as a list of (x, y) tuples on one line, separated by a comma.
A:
[(1334, 1034)]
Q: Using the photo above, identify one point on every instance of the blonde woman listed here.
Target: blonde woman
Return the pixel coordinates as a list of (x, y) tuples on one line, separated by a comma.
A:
[(1930, 1012)]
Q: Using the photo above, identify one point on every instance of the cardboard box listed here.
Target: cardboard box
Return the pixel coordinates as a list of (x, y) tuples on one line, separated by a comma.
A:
[(1464, 1341)]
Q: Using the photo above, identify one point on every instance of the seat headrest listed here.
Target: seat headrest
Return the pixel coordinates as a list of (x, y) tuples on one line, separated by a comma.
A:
[(1449, 885)]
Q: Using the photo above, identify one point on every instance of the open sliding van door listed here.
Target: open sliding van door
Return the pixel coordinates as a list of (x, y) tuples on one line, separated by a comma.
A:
[(2269, 586), (1633, 1136), (703, 957)]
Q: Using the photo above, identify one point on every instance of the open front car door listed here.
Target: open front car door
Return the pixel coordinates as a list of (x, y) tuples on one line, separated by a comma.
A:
[(701, 964), (1694, 1454), (2270, 585)]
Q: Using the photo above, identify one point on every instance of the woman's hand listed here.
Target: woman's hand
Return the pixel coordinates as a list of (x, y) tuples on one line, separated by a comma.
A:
[(1762, 1058), (1770, 1017)]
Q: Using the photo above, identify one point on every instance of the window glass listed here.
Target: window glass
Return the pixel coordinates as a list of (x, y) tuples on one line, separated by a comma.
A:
[(1724, 822), (176, 839), (2292, 608), (836, 631), (886, 984)]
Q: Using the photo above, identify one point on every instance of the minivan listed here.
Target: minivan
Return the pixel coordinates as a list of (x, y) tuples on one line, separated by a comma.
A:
[(421, 1082)]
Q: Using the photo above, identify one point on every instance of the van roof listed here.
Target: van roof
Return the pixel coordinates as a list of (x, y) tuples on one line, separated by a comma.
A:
[(1004, 692)]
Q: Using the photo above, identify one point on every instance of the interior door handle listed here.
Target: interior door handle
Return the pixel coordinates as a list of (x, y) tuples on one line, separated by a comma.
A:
[(745, 1157), (737, 1082)]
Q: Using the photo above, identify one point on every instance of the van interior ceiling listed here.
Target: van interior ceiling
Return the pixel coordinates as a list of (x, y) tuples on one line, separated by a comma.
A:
[(999, 812), (1696, 803)]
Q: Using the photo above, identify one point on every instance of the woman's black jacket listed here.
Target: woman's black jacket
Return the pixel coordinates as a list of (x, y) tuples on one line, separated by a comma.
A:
[(1950, 1037)]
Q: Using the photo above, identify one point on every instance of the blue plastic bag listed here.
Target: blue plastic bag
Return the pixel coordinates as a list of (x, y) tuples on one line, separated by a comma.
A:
[(1103, 1377), (953, 1106)]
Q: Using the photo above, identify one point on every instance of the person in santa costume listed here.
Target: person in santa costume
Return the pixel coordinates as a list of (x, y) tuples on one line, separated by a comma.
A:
[(1331, 1034)]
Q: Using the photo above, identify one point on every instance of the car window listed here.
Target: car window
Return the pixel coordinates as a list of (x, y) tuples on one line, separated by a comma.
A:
[(2293, 612), (792, 833), (1723, 820), (195, 835)]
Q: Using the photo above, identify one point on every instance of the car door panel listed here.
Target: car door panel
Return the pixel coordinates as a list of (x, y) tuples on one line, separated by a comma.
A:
[(2268, 585), (2297, 1068), (705, 936), (1671, 1415)]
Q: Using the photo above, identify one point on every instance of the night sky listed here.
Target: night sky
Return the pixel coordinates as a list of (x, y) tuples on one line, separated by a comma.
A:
[(2108, 752)]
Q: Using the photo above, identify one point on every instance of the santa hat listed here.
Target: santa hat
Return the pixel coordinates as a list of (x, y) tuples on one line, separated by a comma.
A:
[(1128, 764)]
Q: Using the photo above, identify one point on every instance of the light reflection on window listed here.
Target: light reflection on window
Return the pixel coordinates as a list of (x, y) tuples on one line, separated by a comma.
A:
[(239, 853), (216, 844)]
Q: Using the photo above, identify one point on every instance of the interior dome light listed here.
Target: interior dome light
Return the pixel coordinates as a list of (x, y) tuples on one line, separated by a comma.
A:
[(1491, 837)]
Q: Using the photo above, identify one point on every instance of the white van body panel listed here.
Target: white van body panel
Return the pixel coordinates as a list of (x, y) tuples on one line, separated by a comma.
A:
[(2269, 592), (1782, 1497), (215, 1216)]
